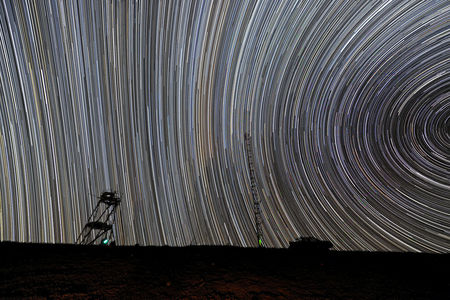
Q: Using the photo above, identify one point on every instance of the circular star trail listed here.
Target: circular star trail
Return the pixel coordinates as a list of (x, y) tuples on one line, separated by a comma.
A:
[(347, 103)]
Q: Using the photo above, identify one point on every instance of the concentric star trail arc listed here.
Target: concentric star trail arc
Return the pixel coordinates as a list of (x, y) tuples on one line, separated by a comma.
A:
[(347, 103)]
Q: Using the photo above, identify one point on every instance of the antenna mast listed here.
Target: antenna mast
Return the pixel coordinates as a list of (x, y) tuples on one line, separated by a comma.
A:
[(256, 202)]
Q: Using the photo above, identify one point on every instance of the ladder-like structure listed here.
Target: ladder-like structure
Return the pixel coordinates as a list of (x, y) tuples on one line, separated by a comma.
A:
[(256, 202), (99, 227)]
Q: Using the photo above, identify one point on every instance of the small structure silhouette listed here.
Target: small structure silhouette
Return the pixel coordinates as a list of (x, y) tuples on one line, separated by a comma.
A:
[(99, 228), (310, 244)]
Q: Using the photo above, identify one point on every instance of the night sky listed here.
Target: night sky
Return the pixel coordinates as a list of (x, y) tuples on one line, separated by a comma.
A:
[(347, 103)]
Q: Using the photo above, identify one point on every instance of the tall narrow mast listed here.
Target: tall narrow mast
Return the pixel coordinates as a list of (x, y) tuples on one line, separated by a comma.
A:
[(256, 202)]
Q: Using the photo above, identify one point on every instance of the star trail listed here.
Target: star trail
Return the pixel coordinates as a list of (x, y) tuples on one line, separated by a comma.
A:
[(347, 103)]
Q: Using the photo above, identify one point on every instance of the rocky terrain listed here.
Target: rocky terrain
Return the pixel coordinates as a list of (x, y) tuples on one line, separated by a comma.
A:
[(91, 272)]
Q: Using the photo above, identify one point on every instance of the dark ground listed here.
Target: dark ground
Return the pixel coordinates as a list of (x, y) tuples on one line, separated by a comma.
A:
[(72, 271)]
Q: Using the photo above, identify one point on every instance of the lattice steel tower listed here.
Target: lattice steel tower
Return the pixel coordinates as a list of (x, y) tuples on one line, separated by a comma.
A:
[(99, 228), (256, 202)]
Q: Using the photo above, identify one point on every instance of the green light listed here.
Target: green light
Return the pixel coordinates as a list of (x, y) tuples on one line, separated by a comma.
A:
[(260, 242), (105, 241)]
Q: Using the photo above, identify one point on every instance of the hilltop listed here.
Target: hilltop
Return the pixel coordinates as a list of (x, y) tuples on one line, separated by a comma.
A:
[(74, 271)]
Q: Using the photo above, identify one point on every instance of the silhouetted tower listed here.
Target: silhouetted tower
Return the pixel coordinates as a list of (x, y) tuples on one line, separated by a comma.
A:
[(100, 223), (256, 203)]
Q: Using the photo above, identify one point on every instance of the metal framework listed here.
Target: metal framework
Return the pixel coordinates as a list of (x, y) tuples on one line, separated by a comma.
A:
[(256, 202), (99, 227)]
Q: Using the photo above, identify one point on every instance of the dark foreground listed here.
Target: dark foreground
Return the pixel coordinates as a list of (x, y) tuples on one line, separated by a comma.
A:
[(71, 271)]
